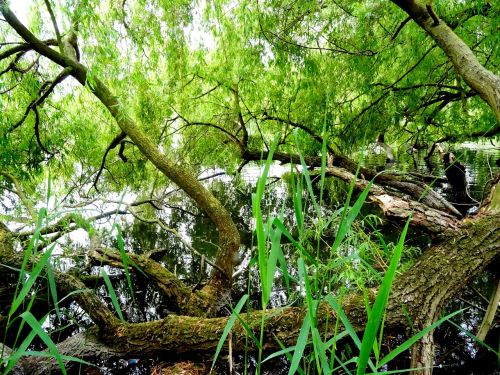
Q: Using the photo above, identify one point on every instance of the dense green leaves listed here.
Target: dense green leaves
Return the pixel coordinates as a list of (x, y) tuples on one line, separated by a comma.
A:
[(179, 66)]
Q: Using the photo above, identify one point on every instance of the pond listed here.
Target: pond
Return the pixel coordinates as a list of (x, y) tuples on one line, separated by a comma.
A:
[(457, 353)]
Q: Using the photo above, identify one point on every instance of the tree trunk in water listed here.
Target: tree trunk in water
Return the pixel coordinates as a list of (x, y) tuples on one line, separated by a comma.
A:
[(229, 239), (422, 355), (441, 272)]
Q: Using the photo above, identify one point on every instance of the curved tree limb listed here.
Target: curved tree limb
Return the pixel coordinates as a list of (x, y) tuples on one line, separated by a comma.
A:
[(480, 79), (115, 142), (229, 240), (419, 294)]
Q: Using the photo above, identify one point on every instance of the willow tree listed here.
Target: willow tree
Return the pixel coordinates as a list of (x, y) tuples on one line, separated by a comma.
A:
[(173, 87)]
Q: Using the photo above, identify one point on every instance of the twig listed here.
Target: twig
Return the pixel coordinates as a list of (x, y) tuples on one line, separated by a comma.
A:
[(54, 23)]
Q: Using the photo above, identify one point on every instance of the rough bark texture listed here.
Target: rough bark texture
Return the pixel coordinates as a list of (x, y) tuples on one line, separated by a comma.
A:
[(483, 81), (441, 272), (229, 240), (179, 295), (461, 253), (399, 207)]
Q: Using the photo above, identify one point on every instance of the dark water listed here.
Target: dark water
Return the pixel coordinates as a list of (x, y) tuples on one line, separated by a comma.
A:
[(457, 353), (480, 161)]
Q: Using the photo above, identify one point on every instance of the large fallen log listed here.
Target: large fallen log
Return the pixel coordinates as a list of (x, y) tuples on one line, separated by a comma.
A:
[(462, 252), (425, 214)]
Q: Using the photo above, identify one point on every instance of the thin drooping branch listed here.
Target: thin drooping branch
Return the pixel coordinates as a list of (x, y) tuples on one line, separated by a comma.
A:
[(20, 193), (54, 23), (37, 132), (480, 79), (229, 239), (115, 142), (297, 125), (45, 91)]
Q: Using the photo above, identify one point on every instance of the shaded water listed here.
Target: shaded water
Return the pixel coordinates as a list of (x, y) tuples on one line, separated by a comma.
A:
[(456, 352), (481, 161)]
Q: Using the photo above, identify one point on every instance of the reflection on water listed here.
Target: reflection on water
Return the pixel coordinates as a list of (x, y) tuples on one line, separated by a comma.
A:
[(480, 161), (455, 351)]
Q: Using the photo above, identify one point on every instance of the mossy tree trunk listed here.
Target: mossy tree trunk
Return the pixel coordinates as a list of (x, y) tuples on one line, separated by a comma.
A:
[(229, 240), (442, 271)]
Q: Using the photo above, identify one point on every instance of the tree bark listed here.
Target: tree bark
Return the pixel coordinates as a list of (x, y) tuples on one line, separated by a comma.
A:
[(442, 271), (480, 79), (229, 241)]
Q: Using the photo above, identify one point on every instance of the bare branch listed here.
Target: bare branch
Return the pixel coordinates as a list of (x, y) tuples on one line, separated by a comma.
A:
[(54, 23)]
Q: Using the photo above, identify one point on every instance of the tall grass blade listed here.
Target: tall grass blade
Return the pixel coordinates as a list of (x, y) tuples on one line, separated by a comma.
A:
[(300, 346), (40, 265), (324, 155), (375, 317), (412, 340), (345, 320), (311, 305), (286, 352), (42, 214), (297, 201), (15, 356), (348, 326), (476, 339), (248, 330), (259, 225), (37, 328), (279, 225), (346, 224), (53, 289), (305, 173), (66, 358), (112, 294), (125, 259), (272, 261), (319, 348), (228, 328), (279, 353), (343, 365)]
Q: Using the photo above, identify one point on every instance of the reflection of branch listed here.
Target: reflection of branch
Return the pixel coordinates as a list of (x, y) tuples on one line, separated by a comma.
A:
[(164, 226), (69, 222), (487, 134), (68, 284)]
